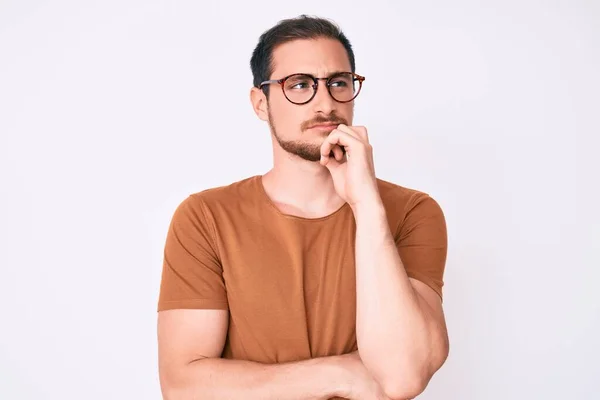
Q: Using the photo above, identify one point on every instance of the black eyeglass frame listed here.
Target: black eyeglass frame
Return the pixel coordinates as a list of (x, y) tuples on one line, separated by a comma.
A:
[(355, 77)]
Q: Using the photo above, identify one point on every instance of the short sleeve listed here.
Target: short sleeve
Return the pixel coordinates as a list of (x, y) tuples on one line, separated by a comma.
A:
[(192, 275), (422, 241)]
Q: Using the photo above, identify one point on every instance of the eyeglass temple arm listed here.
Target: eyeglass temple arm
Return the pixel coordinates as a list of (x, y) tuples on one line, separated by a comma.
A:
[(269, 82)]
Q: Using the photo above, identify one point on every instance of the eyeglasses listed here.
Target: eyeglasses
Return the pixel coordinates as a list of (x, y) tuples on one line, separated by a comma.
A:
[(302, 88)]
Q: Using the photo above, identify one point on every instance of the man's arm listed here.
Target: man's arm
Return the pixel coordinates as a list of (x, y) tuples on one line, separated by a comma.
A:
[(400, 325), (191, 342)]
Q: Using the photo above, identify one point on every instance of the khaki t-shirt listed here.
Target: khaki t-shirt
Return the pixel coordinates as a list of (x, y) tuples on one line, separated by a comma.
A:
[(287, 281)]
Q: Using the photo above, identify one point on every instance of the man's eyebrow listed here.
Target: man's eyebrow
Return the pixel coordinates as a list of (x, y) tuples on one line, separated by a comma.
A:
[(328, 75), (338, 72)]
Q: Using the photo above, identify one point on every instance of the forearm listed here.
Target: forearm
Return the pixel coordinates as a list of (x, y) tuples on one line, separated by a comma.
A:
[(392, 327), (217, 378)]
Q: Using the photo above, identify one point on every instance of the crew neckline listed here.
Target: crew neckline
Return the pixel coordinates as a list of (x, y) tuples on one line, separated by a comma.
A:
[(258, 181)]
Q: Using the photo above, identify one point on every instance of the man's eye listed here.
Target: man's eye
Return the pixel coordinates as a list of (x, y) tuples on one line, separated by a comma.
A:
[(299, 85), (339, 83)]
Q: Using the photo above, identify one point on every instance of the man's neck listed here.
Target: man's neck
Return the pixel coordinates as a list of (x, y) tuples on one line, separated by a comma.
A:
[(302, 188)]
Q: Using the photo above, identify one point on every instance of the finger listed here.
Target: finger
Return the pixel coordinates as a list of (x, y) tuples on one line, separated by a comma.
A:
[(359, 132), (337, 137), (348, 130), (332, 153), (362, 132), (338, 153)]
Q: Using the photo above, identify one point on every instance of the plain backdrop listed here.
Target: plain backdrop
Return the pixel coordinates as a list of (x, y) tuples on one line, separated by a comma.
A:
[(112, 112)]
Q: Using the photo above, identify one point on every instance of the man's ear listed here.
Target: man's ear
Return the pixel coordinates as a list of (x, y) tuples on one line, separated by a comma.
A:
[(259, 103)]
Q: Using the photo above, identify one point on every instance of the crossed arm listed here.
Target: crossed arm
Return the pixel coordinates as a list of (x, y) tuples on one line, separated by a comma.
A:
[(400, 324), (191, 342)]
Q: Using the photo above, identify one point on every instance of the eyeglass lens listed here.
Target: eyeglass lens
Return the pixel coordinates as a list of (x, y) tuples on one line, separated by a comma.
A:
[(300, 88)]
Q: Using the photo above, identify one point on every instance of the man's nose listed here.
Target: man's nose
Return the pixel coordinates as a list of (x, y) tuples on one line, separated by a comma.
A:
[(323, 102)]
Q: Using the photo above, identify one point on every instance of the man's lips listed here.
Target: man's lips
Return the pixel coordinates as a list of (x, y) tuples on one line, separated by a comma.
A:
[(324, 126)]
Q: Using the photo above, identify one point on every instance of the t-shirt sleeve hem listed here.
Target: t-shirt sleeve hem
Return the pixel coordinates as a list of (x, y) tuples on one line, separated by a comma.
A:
[(193, 304), (428, 281)]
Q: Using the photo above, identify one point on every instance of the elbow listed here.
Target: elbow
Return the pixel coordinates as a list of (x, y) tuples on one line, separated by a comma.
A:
[(168, 394), (412, 380), (174, 386), (406, 388), (170, 391), (174, 392)]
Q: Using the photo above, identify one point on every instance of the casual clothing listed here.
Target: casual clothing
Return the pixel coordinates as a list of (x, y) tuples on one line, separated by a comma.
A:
[(287, 281)]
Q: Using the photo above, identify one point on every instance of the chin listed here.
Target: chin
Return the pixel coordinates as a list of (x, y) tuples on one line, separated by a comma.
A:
[(322, 134)]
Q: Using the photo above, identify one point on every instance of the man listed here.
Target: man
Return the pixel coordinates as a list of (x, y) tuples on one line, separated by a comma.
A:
[(315, 280)]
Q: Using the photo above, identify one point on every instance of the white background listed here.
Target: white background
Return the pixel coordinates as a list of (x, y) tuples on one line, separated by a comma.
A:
[(112, 112)]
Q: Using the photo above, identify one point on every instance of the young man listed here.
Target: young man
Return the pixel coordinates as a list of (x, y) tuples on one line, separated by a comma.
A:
[(315, 280)]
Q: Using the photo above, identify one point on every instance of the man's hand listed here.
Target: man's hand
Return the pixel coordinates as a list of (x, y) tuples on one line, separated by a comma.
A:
[(353, 174), (363, 386)]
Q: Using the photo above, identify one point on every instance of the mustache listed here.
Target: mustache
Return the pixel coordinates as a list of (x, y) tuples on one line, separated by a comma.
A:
[(321, 120)]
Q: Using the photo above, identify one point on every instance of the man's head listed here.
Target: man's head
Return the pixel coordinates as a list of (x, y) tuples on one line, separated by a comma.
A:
[(304, 45)]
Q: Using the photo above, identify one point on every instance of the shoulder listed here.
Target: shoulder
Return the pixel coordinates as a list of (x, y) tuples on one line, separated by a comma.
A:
[(402, 199), (403, 204), (209, 201), (224, 195)]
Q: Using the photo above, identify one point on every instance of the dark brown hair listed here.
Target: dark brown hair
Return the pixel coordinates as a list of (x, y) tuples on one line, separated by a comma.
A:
[(302, 27)]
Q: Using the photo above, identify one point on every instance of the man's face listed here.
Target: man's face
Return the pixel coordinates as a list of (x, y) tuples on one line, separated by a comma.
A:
[(295, 126)]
